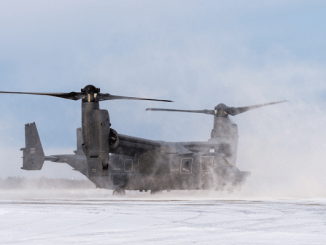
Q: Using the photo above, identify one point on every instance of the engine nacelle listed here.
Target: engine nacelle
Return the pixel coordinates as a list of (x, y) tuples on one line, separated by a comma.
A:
[(113, 139), (96, 131)]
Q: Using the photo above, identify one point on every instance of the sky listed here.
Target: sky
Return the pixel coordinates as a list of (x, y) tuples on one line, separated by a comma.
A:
[(196, 53)]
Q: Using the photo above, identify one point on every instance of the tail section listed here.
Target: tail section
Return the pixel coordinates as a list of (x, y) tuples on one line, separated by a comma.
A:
[(33, 155)]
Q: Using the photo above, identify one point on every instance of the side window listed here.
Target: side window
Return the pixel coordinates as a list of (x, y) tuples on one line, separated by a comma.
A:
[(128, 165), (206, 163), (186, 166)]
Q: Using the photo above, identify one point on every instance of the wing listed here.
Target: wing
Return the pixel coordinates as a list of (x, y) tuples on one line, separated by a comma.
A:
[(129, 146), (199, 146)]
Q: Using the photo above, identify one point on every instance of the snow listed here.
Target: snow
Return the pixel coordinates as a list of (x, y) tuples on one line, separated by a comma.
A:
[(159, 220)]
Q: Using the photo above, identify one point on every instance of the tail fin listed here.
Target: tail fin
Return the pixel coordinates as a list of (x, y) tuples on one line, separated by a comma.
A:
[(33, 155)]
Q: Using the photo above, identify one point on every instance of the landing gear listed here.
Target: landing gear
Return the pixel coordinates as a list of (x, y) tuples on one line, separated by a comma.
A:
[(154, 192), (119, 192)]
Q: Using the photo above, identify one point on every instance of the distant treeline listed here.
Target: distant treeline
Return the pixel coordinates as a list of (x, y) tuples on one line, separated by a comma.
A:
[(44, 183)]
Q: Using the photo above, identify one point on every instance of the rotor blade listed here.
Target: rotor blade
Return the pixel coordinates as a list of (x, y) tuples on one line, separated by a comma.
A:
[(70, 96), (237, 110), (209, 112), (102, 97)]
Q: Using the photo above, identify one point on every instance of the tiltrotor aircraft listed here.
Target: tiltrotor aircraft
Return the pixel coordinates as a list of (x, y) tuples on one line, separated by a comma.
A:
[(120, 162)]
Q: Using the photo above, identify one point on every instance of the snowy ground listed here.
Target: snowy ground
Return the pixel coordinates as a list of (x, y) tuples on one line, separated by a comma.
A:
[(95, 217)]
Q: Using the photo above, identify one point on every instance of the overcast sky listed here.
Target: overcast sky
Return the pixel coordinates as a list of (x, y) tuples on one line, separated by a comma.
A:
[(197, 53)]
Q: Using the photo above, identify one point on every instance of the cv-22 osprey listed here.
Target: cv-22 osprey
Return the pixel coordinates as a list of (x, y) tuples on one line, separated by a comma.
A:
[(120, 162)]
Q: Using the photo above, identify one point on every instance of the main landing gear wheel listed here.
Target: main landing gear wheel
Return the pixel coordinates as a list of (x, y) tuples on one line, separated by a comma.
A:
[(119, 192), (154, 192)]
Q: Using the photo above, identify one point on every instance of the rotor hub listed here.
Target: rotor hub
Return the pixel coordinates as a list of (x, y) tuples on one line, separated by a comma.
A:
[(221, 110), (90, 89)]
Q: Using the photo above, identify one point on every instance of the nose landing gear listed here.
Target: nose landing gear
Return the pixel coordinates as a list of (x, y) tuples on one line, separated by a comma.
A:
[(119, 192)]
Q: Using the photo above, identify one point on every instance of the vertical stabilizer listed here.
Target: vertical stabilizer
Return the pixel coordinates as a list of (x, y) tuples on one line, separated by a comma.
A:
[(33, 155)]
